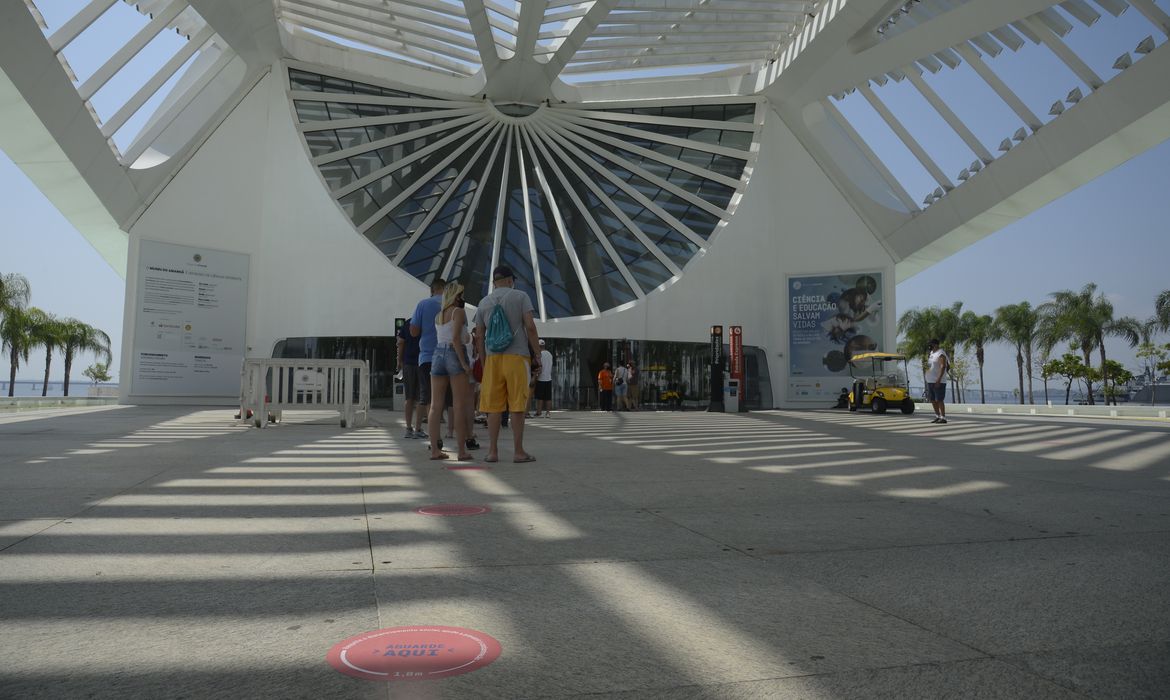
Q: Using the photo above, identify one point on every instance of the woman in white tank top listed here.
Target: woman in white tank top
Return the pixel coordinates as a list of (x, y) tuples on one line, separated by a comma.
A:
[(449, 365)]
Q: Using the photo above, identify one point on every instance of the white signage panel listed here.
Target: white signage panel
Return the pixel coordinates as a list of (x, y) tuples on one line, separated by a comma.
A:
[(190, 321)]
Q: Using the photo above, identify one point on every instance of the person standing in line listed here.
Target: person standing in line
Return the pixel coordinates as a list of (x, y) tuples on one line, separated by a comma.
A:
[(477, 361), (408, 368), (446, 415), (422, 326), (605, 387), (450, 369), (632, 381), (620, 388), (506, 372), (936, 387), (544, 383), (468, 416)]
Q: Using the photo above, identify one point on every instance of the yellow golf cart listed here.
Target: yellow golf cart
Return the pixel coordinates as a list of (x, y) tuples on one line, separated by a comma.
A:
[(879, 382)]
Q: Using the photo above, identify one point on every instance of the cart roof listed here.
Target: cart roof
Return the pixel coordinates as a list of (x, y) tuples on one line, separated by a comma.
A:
[(877, 356)]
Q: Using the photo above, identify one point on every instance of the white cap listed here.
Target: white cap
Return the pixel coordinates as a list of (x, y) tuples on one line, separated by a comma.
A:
[(542, 342)]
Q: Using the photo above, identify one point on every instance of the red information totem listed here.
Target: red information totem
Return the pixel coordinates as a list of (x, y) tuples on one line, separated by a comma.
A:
[(735, 362), (736, 359)]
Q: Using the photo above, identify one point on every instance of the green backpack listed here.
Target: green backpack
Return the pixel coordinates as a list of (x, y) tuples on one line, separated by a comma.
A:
[(499, 332)]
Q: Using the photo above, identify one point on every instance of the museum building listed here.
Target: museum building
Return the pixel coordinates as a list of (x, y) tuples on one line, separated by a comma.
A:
[(285, 178)]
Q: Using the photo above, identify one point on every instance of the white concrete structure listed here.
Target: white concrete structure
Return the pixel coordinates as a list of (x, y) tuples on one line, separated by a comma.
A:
[(648, 167)]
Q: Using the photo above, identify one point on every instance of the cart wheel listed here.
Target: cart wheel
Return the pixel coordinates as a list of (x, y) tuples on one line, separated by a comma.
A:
[(879, 405), (907, 406)]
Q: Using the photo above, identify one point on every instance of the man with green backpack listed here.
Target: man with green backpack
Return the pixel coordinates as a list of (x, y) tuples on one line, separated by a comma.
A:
[(507, 338)]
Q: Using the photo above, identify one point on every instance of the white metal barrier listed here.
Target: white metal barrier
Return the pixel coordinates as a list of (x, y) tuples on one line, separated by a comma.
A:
[(269, 386)]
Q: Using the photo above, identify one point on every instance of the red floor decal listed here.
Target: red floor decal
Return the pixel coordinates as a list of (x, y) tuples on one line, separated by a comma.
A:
[(413, 653)]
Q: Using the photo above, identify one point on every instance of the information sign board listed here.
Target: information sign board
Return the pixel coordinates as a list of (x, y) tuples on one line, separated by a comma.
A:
[(190, 321)]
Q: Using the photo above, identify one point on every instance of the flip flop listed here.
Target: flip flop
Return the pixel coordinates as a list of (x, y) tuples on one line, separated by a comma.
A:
[(525, 458), (465, 458), (442, 455), (491, 459)]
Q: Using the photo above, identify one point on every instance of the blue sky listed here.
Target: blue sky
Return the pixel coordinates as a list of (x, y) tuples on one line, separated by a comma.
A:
[(1112, 231)]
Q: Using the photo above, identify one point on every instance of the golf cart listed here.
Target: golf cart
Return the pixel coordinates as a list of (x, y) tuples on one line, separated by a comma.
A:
[(878, 382)]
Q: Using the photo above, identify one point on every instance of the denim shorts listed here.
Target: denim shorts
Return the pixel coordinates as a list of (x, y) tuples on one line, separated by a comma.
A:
[(445, 362)]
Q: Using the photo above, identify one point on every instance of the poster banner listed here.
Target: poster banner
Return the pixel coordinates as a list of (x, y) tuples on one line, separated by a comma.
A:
[(735, 353), (830, 319), (190, 321)]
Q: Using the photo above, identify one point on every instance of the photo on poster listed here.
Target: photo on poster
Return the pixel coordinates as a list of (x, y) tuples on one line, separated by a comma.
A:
[(830, 319)]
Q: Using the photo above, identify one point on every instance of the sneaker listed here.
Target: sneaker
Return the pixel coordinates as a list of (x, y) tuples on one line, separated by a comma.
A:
[(941, 420), (472, 444), (409, 434), (421, 435), (936, 420)]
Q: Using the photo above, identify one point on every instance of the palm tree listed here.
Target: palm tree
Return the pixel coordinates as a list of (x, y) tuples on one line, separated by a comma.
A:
[(1162, 310), (16, 339), (14, 292), (1084, 318), (978, 330), (1143, 332), (918, 326), (82, 337), (48, 332), (951, 334), (1018, 325)]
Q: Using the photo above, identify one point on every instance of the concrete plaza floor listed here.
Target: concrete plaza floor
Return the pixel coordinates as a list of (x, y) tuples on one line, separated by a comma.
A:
[(172, 553)]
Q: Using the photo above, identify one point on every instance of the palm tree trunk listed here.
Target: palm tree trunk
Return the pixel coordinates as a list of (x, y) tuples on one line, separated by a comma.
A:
[(1020, 371), (12, 372), (45, 384), (1088, 353), (1105, 377), (1067, 390), (1028, 355), (68, 366), (979, 357)]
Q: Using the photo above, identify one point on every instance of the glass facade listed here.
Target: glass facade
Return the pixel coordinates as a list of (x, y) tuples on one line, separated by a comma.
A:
[(674, 375), (591, 209)]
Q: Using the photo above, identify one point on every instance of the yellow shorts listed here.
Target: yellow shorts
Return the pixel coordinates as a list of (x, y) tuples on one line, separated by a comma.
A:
[(505, 384)]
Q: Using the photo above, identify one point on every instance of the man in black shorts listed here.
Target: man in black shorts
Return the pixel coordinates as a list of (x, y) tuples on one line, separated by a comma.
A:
[(422, 328), (936, 384), (408, 366)]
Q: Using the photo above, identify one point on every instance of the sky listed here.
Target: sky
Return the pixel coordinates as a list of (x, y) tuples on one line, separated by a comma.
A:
[(1112, 231)]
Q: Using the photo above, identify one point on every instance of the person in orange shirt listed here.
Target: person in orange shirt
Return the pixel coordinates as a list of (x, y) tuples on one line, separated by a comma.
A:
[(605, 387)]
